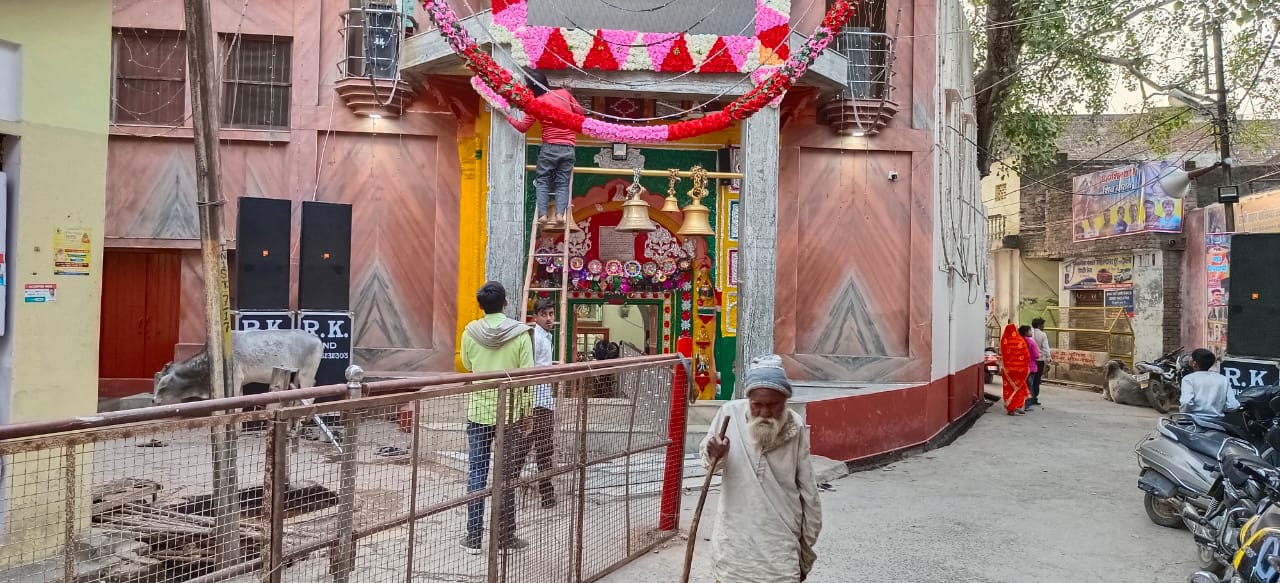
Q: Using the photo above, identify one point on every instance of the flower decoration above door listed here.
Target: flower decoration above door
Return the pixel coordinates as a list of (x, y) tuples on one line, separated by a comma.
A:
[(544, 47)]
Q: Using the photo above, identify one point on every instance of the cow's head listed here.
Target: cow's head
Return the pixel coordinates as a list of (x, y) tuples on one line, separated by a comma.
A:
[(182, 382)]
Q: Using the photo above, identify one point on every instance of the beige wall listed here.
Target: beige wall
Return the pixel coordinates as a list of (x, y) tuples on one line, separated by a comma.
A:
[(55, 159), (60, 179)]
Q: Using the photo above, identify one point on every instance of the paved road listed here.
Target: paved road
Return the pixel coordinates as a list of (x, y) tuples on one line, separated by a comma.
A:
[(1048, 497)]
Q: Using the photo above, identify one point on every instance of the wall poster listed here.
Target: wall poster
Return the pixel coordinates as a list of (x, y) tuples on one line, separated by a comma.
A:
[(71, 246), (1125, 200), (1100, 273)]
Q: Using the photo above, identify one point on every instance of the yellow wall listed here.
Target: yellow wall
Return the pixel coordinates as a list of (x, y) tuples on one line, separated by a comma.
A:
[(65, 49)]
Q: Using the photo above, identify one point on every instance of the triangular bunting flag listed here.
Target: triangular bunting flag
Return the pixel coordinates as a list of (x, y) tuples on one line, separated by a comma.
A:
[(719, 60), (600, 56), (679, 59), (557, 54)]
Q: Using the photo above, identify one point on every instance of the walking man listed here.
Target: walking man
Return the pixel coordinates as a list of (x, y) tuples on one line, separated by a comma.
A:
[(1042, 364), (544, 400), (768, 516), (495, 343)]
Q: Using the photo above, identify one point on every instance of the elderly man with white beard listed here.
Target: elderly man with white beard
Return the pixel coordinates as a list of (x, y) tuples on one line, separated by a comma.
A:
[(768, 516)]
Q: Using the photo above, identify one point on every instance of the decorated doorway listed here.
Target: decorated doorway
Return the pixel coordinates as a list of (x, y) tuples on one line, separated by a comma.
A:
[(635, 293)]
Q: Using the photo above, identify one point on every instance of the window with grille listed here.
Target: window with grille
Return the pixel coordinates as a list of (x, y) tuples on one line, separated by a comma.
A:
[(255, 82), (150, 77), (1002, 191)]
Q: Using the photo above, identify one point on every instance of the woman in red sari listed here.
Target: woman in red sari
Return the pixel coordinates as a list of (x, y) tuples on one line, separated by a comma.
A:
[(1017, 363)]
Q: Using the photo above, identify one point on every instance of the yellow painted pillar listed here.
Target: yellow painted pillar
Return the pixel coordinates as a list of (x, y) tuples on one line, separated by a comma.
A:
[(472, 237)]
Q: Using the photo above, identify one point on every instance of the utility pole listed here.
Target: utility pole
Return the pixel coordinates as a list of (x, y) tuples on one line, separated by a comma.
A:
[(1224, 123), (201, 63)]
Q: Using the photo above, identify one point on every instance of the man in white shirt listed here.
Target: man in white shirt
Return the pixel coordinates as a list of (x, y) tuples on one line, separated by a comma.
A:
[(544, 400), (1042, 342), (1206, 393)]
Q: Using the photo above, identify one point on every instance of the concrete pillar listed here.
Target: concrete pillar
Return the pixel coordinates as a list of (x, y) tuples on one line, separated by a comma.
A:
[(507, 240), (758, 245)]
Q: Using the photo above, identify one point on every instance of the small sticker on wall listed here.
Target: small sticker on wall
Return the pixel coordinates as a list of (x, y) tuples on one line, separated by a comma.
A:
[(40, 293)]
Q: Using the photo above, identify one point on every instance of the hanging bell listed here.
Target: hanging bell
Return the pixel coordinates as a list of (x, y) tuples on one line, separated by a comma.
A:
[(671, 205), (696, 221), (696, 216), (635, 215)]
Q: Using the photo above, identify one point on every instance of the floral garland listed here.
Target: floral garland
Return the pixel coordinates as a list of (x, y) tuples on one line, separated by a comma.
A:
[(544, 47), (500, 80)]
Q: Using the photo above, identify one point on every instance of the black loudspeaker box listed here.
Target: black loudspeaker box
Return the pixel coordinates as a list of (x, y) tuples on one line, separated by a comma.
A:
[(264, 230), (1253, 298), (324, 266)]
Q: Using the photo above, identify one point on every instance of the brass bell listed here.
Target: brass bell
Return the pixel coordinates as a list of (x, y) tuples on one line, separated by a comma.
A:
[(696, 216), (635, 213), (671, 205), (696, 221)]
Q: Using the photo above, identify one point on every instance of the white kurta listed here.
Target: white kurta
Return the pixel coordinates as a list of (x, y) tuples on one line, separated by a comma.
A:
[(768, 503)]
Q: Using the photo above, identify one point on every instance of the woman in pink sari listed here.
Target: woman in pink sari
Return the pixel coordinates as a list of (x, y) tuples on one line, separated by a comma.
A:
[(1034, 350)]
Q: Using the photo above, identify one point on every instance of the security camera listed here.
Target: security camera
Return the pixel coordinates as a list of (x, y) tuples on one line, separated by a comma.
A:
[(893, 175)]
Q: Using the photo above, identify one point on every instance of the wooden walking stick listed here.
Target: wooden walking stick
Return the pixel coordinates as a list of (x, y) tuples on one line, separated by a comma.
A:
[(697, 514)]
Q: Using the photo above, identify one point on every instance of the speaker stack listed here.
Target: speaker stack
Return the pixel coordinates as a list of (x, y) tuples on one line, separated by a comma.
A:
[(1253, 298), (263, 236), (324, 285)]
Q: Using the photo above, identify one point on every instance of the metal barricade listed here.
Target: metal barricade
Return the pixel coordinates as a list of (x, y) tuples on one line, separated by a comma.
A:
[(130, 496)]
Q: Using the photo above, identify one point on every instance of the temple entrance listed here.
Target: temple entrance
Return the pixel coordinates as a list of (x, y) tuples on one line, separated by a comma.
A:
[(636, 291)]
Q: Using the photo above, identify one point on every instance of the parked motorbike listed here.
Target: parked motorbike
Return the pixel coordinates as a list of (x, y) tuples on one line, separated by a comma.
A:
[(1239, 540), (1243, 484), (1177, 460), (1172, 461), (990, 365), (1162, 378)]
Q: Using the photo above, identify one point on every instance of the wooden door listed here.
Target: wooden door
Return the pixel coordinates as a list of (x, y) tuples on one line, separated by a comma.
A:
[(141, 293)]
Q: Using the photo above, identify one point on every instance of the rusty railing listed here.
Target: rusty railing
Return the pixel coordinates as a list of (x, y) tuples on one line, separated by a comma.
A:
[(375, 486)]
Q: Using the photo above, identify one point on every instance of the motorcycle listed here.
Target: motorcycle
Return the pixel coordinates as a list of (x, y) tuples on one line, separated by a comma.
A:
[(1240, 540), (1176, 460), (1162, 378), (1172, 464), (990, 365), (1244, 483)]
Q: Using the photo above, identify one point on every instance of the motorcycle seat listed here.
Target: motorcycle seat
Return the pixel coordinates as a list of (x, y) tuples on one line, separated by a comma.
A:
[(1233, 454), (1206, 442)]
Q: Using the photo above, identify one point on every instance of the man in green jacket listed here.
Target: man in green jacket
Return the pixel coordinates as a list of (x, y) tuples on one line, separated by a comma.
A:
[(495, 343)]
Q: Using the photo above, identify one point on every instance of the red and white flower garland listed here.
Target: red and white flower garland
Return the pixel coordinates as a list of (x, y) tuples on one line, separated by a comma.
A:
[(516, 94)]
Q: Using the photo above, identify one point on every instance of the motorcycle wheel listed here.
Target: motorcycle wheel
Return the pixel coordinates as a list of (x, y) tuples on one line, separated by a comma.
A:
[(1165, 512), (1209, 562), (988, 377)]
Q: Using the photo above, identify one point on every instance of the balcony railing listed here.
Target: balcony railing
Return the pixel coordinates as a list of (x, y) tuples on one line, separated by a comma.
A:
[(996, 228), (866, 104), (369, 77), (870, 57)]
